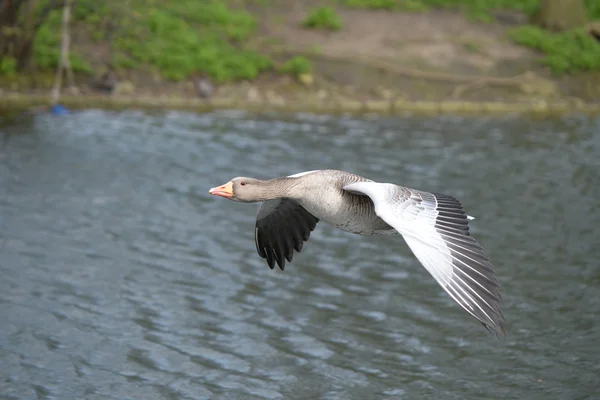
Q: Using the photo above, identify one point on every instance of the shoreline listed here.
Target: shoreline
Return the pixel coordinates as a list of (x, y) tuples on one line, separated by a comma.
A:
[(379, 61), (19, 102)]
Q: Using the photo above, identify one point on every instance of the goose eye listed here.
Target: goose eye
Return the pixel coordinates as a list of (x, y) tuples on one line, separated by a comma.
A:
[(243, 183)]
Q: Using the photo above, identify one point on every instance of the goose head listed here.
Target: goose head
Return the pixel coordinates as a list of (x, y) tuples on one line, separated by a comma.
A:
[(242, 189)]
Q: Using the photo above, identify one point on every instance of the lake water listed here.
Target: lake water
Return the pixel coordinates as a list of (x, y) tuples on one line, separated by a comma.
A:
[(121, 278)]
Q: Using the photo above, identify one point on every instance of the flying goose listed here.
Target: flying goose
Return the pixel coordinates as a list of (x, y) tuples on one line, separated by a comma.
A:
[(435, 227)]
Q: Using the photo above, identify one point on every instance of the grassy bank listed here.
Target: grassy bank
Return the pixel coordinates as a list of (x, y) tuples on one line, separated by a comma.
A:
[(166, 45), (185, 38), (566, 52)]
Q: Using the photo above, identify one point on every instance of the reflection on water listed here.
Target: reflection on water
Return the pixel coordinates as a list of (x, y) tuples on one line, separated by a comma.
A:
[(120, 277)]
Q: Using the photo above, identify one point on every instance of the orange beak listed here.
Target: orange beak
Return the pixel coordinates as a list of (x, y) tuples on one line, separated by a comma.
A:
[(225, 190)]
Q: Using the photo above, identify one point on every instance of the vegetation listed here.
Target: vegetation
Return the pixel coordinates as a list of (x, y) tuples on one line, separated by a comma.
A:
[(375, 4), (324, 18), (8, 66), (46, 47), (20, 21), (297, 66), (569, 51), (178, 39), (477, 9), (183, 38)]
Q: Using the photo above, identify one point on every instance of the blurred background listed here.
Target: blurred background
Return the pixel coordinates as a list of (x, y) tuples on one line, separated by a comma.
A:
[(280, 51), (121, 278)]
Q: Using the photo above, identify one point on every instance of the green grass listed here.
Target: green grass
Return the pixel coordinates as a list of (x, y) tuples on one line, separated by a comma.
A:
[(373, 4), (46, 47), (571, 51), (8, 66), (185, 37), (297, 66), (178, 39), (203, 42), (593, 8), (476, 9), (323, 18)]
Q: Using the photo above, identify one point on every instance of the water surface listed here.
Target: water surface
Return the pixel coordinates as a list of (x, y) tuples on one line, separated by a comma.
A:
[(121, 278)]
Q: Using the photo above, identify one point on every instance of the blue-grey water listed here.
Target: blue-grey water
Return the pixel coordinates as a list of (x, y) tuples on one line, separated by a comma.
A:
[(121, 278)]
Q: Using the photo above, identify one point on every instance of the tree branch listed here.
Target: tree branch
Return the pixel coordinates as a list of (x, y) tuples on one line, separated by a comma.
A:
[(63, 62), (51, 6)]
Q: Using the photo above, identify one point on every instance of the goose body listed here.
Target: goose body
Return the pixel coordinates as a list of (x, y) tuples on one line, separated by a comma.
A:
[(326, 199), (435, 227)]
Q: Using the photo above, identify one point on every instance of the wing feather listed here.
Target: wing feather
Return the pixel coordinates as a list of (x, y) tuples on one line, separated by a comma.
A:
[(435, 227), (282, 226)]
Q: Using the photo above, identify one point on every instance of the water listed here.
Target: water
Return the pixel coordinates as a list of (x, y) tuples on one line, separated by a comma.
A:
[(121, 278)]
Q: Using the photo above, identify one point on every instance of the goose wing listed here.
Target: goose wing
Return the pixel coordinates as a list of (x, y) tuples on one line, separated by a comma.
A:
[(282, 226), (435, 227)]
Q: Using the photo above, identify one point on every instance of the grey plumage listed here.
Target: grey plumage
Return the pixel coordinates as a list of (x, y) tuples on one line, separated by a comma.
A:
[(435, 226)]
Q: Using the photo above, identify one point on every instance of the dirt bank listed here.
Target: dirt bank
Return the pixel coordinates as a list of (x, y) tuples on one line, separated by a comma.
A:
[(381, 61)]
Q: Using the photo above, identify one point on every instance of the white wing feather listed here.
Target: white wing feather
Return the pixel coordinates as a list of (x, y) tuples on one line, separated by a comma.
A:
[(299, 174), (437, 233)]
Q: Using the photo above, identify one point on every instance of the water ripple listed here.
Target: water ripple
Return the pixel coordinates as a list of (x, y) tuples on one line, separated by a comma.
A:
[(121, 278)]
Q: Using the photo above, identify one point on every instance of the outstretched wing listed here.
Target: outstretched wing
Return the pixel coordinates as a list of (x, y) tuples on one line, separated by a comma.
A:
[(435, 227), (282, 226)]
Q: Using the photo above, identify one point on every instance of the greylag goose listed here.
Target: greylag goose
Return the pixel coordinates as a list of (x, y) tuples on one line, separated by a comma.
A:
[(435, 227)]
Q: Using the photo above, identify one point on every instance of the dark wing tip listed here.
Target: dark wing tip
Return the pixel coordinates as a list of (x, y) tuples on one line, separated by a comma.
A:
[(471, 265), (496, 330), (482, 304), (497, 325)]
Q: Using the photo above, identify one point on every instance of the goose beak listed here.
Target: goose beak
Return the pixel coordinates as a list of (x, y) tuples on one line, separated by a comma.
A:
[(225, 190)]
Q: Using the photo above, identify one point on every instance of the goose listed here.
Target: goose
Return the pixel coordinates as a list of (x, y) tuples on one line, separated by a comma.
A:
[(435, 227)]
